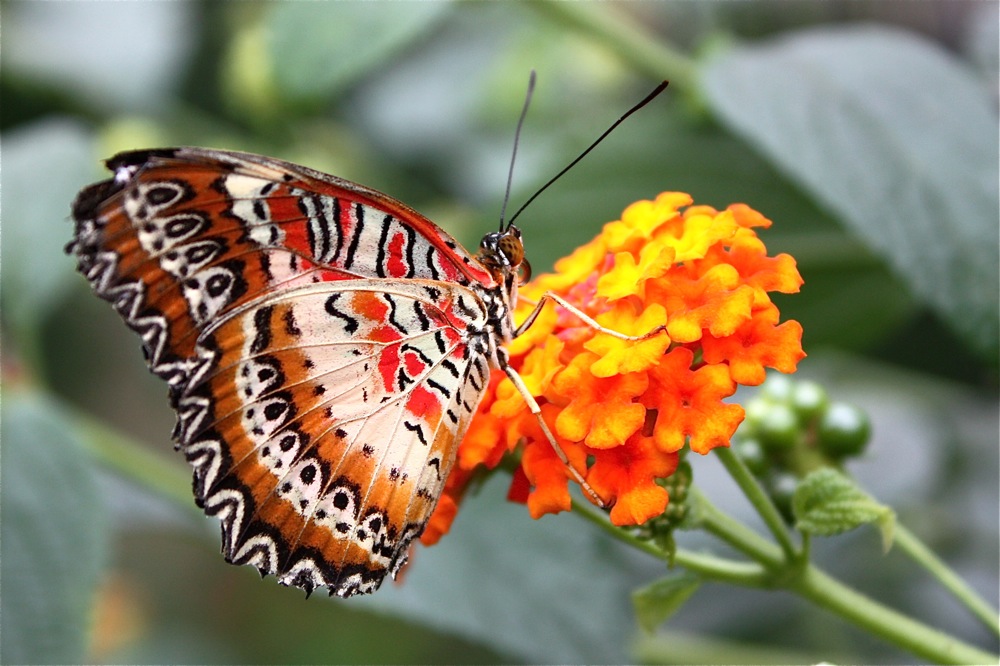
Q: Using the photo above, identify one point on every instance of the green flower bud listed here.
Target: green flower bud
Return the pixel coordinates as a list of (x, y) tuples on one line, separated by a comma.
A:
[(843, 430), (809, 400), (778, 430)]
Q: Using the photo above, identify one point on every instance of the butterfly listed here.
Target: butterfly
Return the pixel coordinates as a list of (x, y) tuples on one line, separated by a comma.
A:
[(325, 348)]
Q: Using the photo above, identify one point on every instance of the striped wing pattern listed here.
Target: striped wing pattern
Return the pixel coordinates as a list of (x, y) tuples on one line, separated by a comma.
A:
[(325, 348)]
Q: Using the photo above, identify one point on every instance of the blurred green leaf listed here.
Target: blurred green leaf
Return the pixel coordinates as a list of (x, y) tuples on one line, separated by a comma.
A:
[(317, 48), (846, 306), (826, 503), (657, 601), (545, 591), (44, 165), (849, 298), (110, 56), (687, 647), (893, 136), (53, 535)]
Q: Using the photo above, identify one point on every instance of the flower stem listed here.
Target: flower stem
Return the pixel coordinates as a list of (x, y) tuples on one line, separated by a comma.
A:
[(759, 499), (880, 620), (709, 566), (804, 579), (599, 519), (812, 583), (627, 40), (920, 553), (736, 534)]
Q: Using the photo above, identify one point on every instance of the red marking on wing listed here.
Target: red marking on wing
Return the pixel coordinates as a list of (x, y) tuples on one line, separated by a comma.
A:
[(284, 206), (424, 404), (388, 365), (395, 266), (414, 366)]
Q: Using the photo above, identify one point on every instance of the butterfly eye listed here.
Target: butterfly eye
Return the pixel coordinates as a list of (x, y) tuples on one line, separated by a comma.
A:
[(523, 272), (511, 247)]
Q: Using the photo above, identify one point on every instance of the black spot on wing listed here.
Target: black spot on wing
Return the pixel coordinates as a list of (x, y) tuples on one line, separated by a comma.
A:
[(450, 367), (262, 330), (350, 323), (416, 427), (425, 322), (352, 249), (290, 326), (392, 314), (383, 243), (439, 388), (418, 352)]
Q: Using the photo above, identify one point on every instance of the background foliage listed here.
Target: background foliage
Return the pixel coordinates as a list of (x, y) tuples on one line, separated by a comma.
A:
[(866, 131)]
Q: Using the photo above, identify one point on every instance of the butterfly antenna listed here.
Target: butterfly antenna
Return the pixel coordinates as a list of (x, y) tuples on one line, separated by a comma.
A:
[(517, 139), (646, 100)]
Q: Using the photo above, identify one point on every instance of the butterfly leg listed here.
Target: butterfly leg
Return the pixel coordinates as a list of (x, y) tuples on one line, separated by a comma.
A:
[(582, 316), (537, 412), (530, 400)]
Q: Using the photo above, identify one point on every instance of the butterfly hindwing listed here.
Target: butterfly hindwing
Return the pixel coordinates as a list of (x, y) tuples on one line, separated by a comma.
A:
[(341, 430)]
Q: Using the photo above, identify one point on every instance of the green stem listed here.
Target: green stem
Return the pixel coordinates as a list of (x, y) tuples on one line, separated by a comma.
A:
[(814, 584), (804, 579), (759, 499), (912, 546), (905, 632), (585, 510), (630, 42), (736, 534), (709, 566)]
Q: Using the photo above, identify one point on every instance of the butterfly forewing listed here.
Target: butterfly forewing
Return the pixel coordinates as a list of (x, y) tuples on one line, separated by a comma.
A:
[(324, 346)]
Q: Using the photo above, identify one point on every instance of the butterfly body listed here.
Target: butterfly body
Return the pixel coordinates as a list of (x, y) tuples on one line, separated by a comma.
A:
[(324, 345)]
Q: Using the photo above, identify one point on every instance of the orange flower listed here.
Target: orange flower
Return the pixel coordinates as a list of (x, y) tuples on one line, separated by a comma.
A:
[(757, 344), (690, 285), (621, 356), (715, 300), (628, 277), (629, 473), (601, 412), (689, 404)]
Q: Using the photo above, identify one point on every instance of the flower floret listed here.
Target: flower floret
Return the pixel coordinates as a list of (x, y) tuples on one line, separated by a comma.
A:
[(601, 412)]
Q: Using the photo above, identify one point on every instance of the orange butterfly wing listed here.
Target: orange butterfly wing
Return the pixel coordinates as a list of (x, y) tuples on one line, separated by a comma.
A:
[(325, 348)]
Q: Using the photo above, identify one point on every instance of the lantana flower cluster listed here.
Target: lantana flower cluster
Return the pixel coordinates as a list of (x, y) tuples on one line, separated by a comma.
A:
[(622, 410)]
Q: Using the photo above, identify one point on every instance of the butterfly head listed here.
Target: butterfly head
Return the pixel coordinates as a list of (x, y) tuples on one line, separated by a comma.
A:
[(502, 253)]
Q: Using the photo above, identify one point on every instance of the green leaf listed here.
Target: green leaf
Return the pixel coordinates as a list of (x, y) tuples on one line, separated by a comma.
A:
[(567, 583), (893, 136), (317, 48), (657, 601), (846, 302), (54, 535), (826, 503), (44, 166)]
